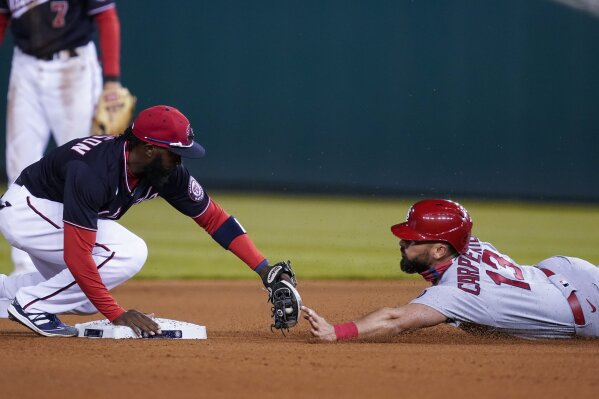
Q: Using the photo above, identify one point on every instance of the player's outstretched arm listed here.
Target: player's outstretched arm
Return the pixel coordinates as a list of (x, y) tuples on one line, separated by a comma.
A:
[(385, 321)]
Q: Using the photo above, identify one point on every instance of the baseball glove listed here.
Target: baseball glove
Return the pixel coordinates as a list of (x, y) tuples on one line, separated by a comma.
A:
[(286, 306), (286, 302), (114, 111)]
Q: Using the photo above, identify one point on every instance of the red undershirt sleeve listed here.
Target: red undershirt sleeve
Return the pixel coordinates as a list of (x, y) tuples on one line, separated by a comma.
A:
[(242, 246), (4, 18), (78, 245), (109, 29), (212, 218)]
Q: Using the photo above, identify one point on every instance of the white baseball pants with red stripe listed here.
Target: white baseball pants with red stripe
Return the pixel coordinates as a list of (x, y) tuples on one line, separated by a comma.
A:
[(35, 226), (583, 277)]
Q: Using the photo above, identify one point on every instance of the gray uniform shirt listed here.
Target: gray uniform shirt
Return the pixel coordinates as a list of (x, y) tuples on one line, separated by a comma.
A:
[(484, 287)]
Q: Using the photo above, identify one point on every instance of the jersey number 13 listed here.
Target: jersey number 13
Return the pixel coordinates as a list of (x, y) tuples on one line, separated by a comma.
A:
[(496, 261)]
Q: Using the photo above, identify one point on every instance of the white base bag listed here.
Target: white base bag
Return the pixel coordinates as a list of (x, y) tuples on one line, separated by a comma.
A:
[(171, 329)]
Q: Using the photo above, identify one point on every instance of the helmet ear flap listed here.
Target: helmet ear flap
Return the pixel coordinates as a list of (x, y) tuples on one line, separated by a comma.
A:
[(437, 220)]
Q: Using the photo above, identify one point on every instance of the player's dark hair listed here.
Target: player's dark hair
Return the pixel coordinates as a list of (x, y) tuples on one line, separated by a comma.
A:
[(131, 139), (452, 250)]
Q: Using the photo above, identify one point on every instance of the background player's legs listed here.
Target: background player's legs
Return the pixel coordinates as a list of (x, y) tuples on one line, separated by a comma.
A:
[(71, 90), (27, 130)]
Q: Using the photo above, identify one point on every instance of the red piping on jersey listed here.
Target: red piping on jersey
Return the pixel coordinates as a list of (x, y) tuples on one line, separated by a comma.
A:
[(130, 179), (573, 302), (109, 29), (204, 211), (79, 226)]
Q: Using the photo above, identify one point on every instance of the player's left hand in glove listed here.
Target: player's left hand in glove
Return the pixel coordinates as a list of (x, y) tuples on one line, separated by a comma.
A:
[(114, 110), (279, 280)]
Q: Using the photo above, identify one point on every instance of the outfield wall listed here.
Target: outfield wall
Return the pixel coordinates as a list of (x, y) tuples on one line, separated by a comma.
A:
[(491, 98)]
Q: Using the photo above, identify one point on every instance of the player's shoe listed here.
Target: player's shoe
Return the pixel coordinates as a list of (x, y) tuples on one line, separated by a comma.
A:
[(46, 324)]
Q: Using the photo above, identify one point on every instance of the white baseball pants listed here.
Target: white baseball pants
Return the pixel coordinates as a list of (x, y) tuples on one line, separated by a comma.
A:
[(584, 278), (35, 226), (56, 96)]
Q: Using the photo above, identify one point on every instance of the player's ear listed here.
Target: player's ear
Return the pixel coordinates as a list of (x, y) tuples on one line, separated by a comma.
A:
[(440, 250)]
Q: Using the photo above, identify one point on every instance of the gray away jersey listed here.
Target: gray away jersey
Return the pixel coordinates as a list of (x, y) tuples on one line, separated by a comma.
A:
[(485, 287)]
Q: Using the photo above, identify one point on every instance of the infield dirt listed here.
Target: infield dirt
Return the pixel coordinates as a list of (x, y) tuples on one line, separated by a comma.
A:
[(243, 359)]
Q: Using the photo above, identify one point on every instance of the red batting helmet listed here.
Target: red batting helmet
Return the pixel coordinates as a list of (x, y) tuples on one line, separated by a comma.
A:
[(437, 220)]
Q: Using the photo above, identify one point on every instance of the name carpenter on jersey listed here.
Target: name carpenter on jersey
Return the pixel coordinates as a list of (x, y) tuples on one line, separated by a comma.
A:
[(468, 268)]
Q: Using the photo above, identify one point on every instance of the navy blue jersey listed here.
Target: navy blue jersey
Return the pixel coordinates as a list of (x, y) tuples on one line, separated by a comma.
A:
[(43, 27), (89, 176)]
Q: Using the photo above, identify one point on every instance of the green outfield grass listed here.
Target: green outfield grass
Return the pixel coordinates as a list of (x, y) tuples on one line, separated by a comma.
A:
[(343, 238)]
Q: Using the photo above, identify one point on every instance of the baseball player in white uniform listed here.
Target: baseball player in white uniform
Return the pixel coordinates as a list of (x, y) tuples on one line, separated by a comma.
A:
[(55, 78), (476, 287)]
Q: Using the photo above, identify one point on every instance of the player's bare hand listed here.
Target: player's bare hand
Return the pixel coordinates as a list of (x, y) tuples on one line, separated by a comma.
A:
[(112, 85), (320, 328), (139, 322)]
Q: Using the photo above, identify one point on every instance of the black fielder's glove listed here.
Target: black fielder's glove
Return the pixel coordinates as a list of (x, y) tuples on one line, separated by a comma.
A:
[(286, 306), (279, 280)]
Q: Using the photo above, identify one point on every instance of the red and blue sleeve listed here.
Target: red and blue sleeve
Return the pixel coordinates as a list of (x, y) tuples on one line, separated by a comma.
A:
[(229, 233)]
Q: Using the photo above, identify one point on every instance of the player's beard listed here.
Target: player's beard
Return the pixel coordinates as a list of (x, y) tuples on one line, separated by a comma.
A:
[(157, 174), (413, 266)]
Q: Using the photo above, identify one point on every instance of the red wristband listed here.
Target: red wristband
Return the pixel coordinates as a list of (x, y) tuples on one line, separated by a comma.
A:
[(346, 330)]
